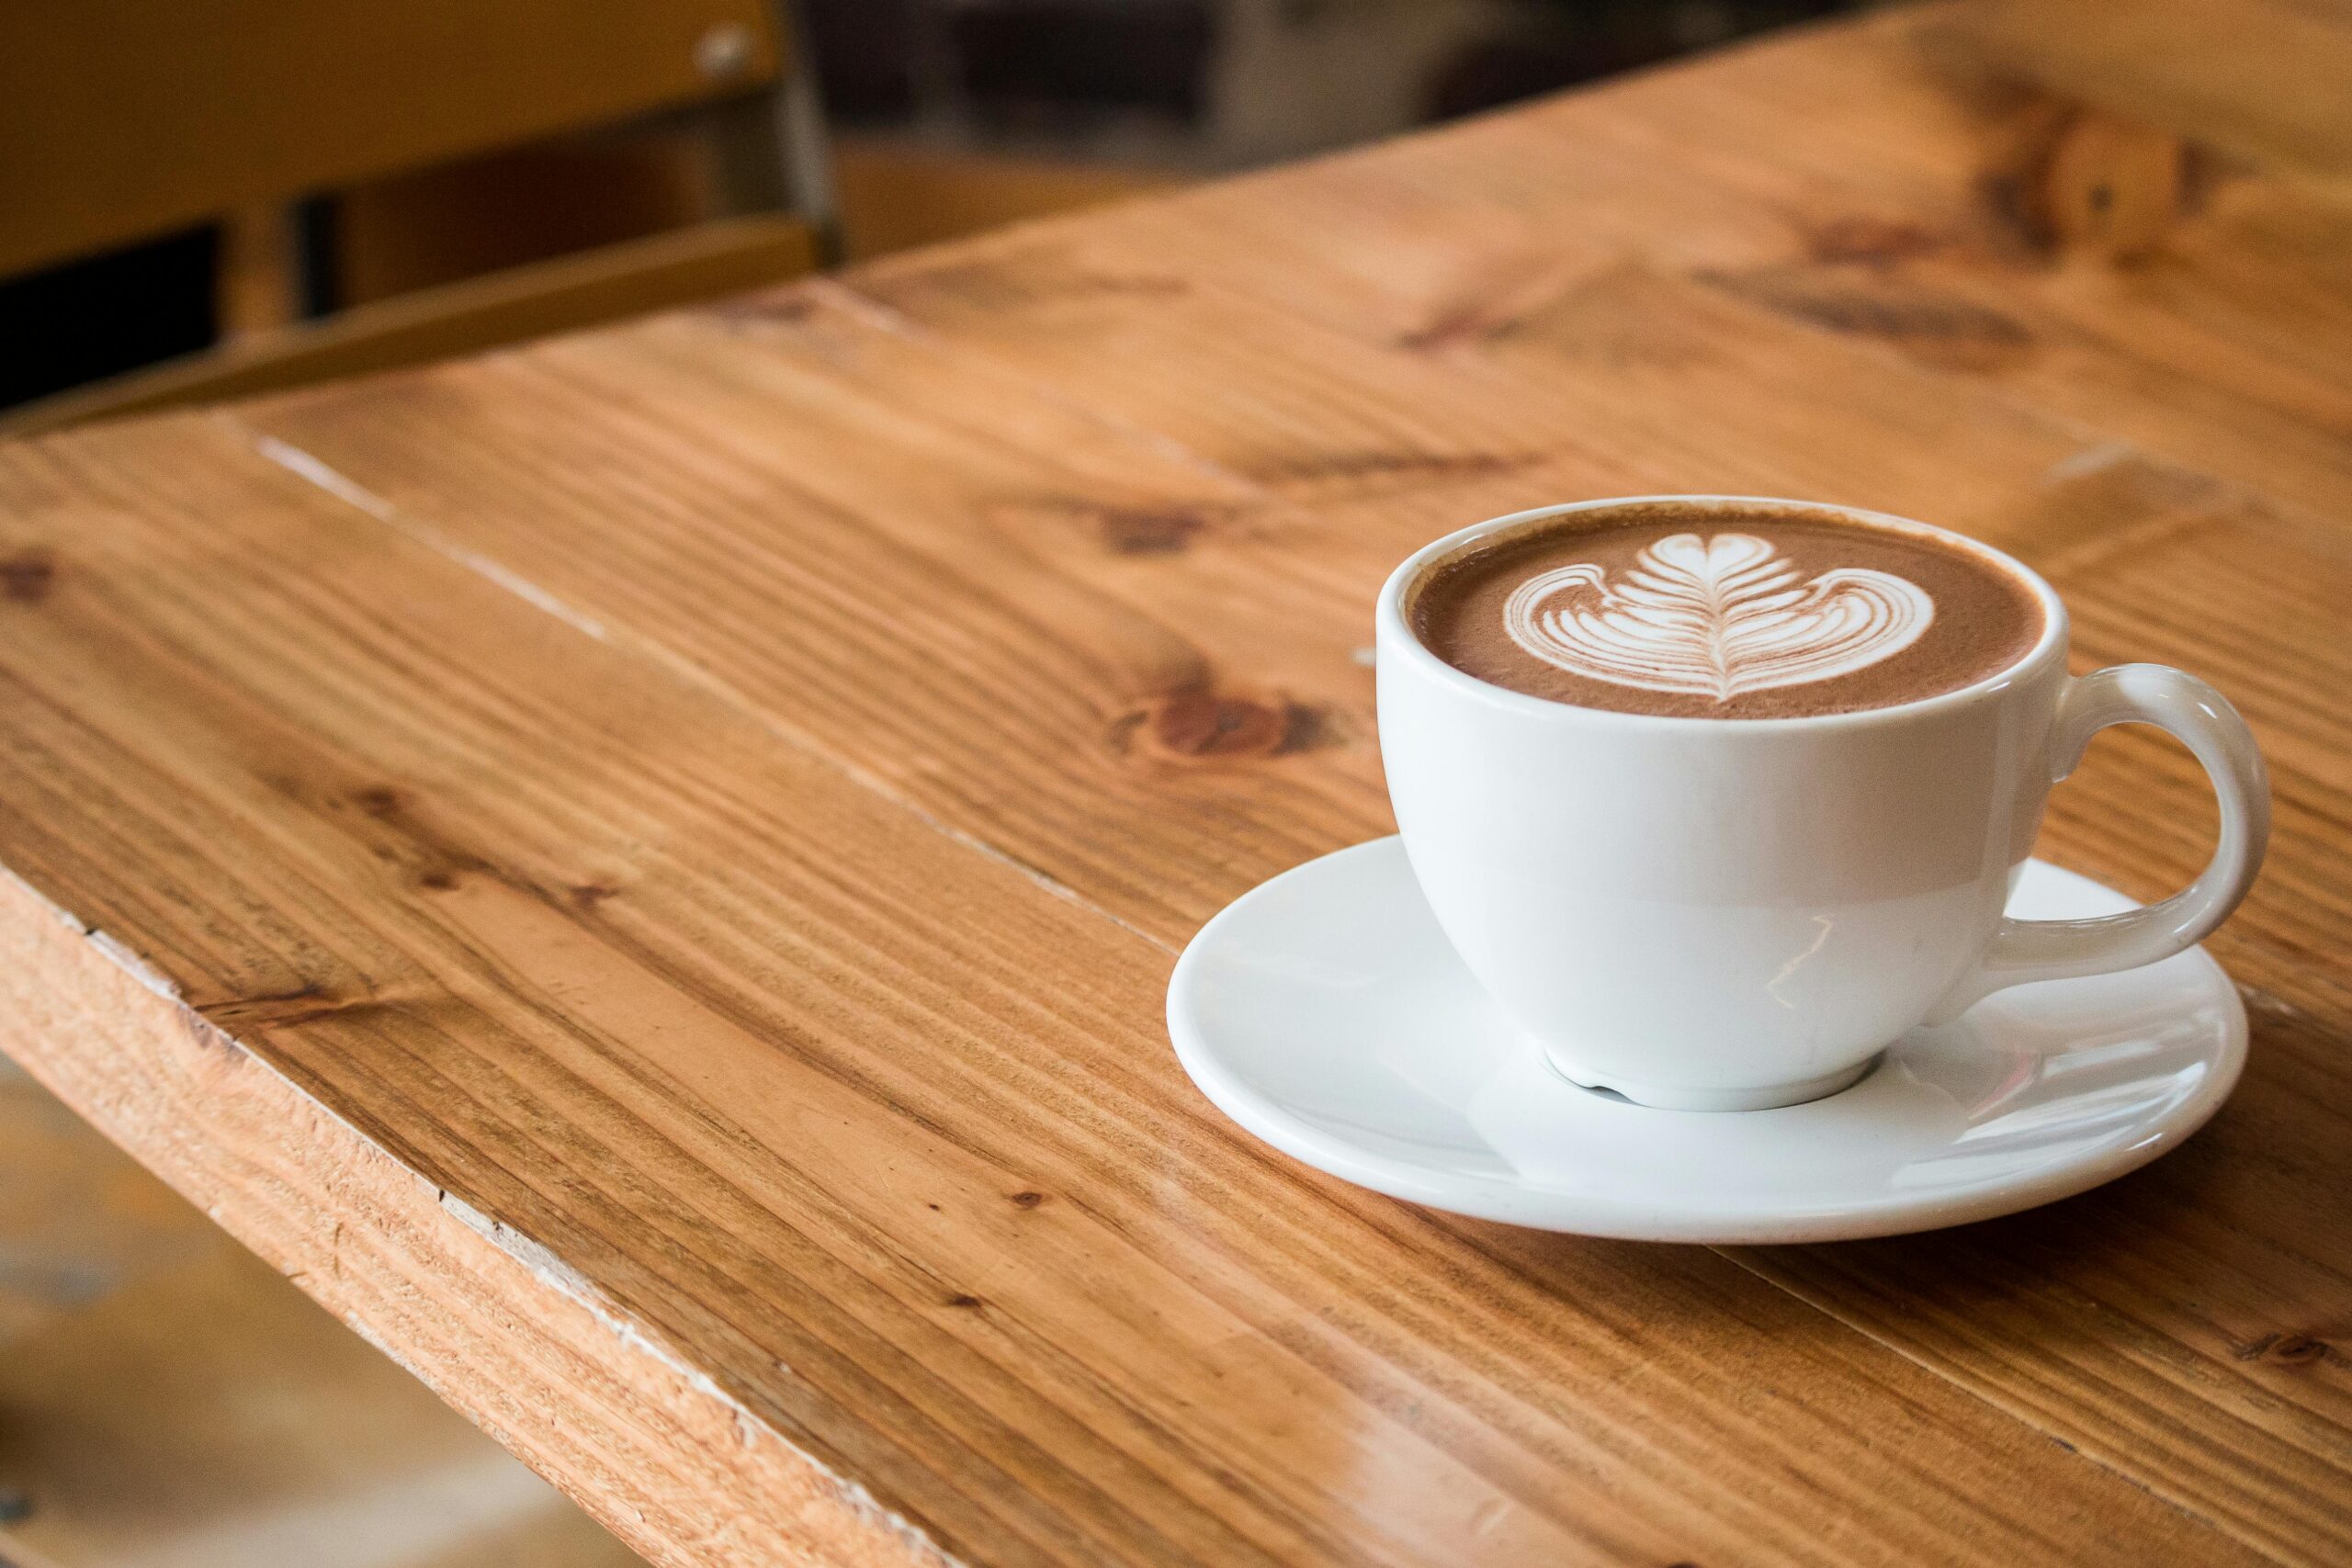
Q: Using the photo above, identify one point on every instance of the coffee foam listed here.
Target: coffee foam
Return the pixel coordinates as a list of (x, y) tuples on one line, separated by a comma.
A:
[(1710, 611), (1714, 616)]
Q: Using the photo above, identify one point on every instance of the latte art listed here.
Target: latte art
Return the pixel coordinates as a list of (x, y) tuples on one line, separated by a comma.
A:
[(1719, 608), (1714, 617)]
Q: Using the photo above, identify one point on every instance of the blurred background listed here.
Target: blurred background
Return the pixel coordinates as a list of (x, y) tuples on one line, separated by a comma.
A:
[(251, 194)]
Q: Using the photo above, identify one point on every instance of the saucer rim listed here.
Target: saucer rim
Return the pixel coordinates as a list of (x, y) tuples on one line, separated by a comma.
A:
[(1487, 1198)]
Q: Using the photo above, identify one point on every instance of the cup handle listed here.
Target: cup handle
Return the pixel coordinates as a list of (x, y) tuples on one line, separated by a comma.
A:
[(2180, 704)]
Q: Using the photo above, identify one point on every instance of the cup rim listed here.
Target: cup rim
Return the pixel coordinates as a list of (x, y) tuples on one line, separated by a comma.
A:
[(1398, 629)]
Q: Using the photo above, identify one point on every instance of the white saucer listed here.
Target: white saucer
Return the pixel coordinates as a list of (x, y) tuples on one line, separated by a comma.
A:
[(1326, 1013)]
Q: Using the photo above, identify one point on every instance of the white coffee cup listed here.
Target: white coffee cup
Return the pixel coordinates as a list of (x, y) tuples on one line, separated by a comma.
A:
[(1729, 914)]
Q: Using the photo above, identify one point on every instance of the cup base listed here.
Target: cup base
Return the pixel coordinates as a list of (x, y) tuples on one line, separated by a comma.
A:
[(1679, 1097)]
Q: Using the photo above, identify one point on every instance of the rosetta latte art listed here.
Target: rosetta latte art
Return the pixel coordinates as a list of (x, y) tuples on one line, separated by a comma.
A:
[(1714, 617)]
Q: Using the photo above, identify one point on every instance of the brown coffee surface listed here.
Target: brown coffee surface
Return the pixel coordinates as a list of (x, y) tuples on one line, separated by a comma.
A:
[(1715, 612)]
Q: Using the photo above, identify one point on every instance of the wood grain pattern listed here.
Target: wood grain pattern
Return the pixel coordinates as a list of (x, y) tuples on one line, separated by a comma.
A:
[(719, 798), (728, 1035), (526, 1349)]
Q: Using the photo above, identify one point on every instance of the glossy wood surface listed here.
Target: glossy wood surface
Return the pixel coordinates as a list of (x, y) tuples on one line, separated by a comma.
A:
[(695, 819)]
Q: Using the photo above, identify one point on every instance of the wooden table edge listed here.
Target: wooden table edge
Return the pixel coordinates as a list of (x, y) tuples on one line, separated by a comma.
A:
[(446, 1291)]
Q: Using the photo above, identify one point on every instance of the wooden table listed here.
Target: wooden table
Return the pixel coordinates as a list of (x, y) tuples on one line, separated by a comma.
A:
[(642, 872)]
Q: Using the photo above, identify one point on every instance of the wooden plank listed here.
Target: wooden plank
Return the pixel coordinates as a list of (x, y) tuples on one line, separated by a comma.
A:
[(1864, 179), (150, 118), (1276, 514), (2144, 1324), (2225, 348), (1165, 743), (170, 1395), (2228, 1448), (997, 444), (532, 300), (860, 1137), (2266, 79), (530, 1354)]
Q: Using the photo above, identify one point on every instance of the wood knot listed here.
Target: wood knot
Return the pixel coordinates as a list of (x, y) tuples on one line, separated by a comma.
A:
[(378, 800), (2065, 179), (27, 577), (1146, 531), (1929, 325), (970, 1303), (586, 895), (1161, 529), (1876, 242), (1027, 1200), (438, 880), (310, 1003), (1341, 475), (1199, 723), (2111, 187), (1460, 326), (2287, 1350)]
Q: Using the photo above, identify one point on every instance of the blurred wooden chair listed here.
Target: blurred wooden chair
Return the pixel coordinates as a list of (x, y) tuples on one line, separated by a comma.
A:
[(121, 119)]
